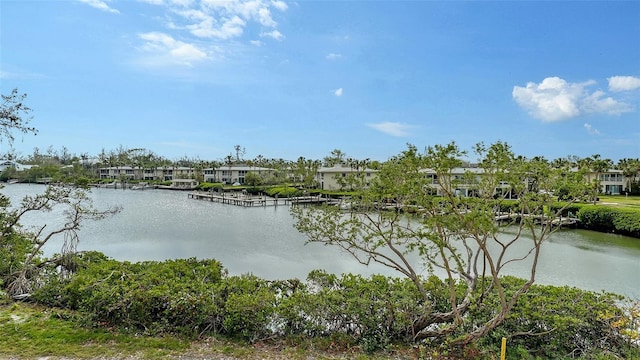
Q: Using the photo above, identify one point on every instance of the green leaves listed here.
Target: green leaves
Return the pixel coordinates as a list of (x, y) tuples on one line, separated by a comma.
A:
[(196, 298), (14, 115), (423, 211), (608, 219)]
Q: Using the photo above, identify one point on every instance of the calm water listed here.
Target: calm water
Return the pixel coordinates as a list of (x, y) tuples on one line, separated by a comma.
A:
[(161, 224)]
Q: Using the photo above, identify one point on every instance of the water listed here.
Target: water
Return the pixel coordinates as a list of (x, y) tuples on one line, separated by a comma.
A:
[(163, 224)]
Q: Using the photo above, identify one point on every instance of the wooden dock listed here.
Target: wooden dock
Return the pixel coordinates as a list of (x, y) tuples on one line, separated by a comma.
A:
[(247, 200), (558, 221)]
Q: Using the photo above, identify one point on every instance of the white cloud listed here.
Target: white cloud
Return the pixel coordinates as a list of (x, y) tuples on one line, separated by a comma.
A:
[(212, 24), (274, 34), (152, 2), (224, 19), (600, 104), (170, 50), (333, 56), (230, 28), (280, 5), (183, 3), (392, 128), (101, 5), (591, 130), (338, 92), (264, 16), (623, 83), (555, 99)]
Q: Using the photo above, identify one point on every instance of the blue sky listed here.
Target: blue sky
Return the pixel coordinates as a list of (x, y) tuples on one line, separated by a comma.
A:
[(286, 79)]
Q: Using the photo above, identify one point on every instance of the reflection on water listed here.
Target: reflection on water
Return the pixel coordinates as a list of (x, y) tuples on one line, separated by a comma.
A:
[(162, 224)]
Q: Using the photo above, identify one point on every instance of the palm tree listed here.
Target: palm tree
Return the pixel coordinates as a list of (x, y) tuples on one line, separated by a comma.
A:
[(596, 164), (630, 170)]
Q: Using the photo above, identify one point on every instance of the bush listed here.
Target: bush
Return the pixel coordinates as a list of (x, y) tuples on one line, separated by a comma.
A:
[(608, 219), (376, 311), (195, 297), (572, 209), (175, 296), (14, 248), (283, 191), (249, 304), (560, 322), (207, 186)]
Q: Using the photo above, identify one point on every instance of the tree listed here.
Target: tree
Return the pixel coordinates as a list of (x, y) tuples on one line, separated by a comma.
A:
[(457, 236), (630, 170), (28, 271), (240, 151), (597, 165), (337, 157), (356, 178), (21, 268), (14, 116), (252, 179), (305, 171)]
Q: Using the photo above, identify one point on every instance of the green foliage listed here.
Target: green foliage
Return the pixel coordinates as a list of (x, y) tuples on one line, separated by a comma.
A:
[(455, 227), (44, 171), (8, 173), (15, 246), (195, 297), (608, 219), (14, 116), (14, 249), (32, 332), (283, 191), (249, 304), (558, 322), (509, 206), (253, 179), (172, 296), (376, 311), (567, 209), (207, 186)]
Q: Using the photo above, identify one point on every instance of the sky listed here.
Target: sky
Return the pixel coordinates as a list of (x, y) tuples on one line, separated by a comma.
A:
[(284, 79)]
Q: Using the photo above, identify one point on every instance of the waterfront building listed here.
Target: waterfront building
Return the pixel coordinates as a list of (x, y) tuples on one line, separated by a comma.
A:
[(342, 177), (461, 181), (611, 181), (233, 174)]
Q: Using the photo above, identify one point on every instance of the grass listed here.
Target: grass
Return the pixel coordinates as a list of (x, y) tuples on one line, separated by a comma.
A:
[(30, 331), (620, 201)]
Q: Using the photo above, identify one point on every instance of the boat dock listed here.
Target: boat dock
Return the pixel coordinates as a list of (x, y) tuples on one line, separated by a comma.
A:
[(558, 221), (246, 200)]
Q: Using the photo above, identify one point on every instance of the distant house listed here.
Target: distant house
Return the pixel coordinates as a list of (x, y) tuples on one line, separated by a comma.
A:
[(341, 177), (169, 173), (462, 181), (120, 172), (162, 173), (232, 174), (5, 164), (612, 182)]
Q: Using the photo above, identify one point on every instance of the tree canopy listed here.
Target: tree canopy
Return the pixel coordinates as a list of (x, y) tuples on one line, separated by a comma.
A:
[(14, 116), (22, 268), (413, 219)]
